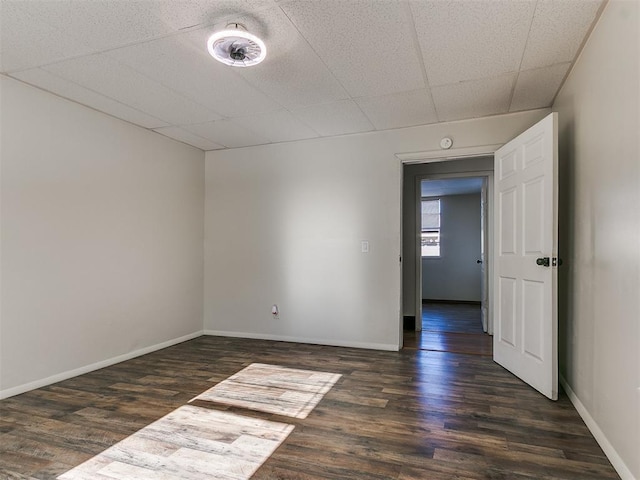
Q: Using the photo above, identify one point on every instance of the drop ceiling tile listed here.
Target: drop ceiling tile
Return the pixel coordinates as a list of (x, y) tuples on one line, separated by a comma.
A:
[(279, 126), (102, 24), (557, 31), (64, 88), (292, 74), (470, 39), (194, 13), (183, 64), (368, 45), (399, 109), (189, 138), (537, 88), (27, 41), (54, 30), (115, 80), (227, 133), (156, 72), (335, 118), (476, 98), (296, 80)]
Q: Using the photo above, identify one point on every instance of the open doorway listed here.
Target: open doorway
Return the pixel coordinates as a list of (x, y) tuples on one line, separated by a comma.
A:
[(452, 228), (451, 236), (522, 250)]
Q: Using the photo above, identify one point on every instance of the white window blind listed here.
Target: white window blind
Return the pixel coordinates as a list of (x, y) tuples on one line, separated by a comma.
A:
[(430, 228)]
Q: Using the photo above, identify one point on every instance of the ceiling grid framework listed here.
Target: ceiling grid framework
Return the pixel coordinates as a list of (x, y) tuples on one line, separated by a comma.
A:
[(333, 67)]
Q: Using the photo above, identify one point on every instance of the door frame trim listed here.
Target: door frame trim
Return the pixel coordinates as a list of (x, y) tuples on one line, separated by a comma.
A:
[(437, 156)]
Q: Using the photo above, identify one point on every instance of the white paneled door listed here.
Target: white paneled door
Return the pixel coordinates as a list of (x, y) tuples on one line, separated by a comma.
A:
[(526, 235)]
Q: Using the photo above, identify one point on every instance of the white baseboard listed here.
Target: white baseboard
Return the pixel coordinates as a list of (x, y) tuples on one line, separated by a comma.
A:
[(314, 341), (609, 451), (10, 392)]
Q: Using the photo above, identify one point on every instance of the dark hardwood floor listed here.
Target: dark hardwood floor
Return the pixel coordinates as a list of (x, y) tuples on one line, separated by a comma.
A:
[(452, 317), (405, 415), (451, 327)]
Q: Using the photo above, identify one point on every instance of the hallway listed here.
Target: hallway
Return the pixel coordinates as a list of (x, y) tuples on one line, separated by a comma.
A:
[(450, 327)]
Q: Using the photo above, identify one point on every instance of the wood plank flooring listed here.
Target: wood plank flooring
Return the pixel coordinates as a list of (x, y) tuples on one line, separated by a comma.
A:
[(190, 443), (291, 392), (452, 317), (451, 327), (405, 415)]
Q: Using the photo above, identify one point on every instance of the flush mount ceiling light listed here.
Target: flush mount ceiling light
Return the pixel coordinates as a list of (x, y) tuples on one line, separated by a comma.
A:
[(236, 47)]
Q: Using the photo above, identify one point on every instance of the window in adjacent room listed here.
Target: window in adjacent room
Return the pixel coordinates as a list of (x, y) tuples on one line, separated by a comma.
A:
[(430, 231)]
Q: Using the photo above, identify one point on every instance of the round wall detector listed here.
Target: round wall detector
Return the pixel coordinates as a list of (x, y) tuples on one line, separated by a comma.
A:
[(236, 47), (446, 143)]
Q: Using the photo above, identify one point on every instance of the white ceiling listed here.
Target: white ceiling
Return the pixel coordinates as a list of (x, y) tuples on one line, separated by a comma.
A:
[(333, 66), (451, 186)]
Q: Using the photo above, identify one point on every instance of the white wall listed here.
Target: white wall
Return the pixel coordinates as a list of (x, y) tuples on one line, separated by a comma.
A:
[(599, 108), (101, 240), (455, 275), (284, 224)]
